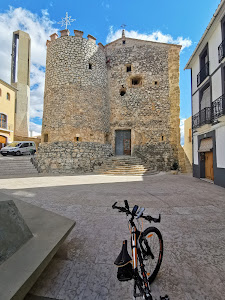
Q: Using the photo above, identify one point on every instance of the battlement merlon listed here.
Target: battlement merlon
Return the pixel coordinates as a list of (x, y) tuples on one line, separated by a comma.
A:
[(91, 38), (78, 33), (101, 46), (54, 36), (65, 32)]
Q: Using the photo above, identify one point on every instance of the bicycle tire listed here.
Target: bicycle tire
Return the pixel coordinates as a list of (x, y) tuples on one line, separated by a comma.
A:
[(153, 237)]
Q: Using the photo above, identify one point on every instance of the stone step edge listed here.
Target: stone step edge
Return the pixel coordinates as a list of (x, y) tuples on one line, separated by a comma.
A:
[(122, 168)]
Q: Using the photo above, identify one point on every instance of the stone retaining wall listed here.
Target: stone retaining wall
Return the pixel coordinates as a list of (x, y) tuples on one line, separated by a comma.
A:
[(69, 157), (156, 157)]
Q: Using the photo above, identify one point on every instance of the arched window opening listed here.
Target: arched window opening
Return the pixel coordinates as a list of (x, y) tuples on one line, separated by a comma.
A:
[(45, 137), (3, 121)]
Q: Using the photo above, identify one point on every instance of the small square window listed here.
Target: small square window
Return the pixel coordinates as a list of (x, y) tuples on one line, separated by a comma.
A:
[(90, 66), (124, 42), (8, 96), (129, 68)]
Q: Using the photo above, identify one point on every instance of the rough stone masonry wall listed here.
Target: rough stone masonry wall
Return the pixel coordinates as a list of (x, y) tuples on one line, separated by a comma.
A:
[(69, 157), (151, 109), (174, 97), (76, 99)]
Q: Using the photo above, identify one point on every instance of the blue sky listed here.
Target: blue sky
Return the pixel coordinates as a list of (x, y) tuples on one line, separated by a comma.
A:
[(162, 19)]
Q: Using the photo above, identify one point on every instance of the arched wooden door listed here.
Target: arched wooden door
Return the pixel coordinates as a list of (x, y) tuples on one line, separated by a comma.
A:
[(3, 141)]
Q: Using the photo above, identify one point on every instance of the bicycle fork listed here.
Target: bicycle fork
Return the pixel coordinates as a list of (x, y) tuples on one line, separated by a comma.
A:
[(138, 281)]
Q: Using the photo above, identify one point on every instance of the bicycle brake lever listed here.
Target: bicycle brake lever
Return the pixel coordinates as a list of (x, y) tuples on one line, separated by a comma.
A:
[(126, 204), (158, 221), (113, 206)]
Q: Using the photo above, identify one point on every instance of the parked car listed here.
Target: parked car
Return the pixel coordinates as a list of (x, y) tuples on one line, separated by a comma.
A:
[(19, 148)]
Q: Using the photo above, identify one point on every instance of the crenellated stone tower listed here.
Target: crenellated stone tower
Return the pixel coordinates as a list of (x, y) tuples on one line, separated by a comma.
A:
[(125, 95), (76, 104)]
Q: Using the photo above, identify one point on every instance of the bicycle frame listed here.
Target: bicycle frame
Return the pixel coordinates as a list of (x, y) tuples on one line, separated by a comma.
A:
[(137, 256), (139, 253)]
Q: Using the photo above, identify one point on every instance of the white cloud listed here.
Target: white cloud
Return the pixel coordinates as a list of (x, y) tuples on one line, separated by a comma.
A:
[(35, 128), (39, 28), (182, 131), (105, 4), (156, 36)]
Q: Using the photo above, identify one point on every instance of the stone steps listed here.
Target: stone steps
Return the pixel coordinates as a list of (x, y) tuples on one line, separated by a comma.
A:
[(16, 166), (122, 166)]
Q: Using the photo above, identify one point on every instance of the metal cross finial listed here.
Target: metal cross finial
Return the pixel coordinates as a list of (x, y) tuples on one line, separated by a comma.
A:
[(123, 26), (66, 21)]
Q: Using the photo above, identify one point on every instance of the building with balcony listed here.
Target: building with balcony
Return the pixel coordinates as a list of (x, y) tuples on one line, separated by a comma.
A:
[(7, 113), (207, 65)]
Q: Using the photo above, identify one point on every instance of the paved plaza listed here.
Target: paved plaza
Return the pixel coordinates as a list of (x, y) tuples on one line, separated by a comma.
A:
[(193, 229)]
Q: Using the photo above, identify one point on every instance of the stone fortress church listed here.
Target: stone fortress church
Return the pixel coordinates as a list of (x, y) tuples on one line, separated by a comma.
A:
[(100, 102)]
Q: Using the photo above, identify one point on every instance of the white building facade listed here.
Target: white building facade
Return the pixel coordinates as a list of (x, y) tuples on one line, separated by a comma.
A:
[(207, 65)]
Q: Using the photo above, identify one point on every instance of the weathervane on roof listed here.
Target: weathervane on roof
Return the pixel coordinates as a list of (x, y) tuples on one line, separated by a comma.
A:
[(123, 30), (66, 21)]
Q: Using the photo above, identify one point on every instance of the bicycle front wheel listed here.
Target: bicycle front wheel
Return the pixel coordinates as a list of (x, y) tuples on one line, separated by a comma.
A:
[(151, 244)]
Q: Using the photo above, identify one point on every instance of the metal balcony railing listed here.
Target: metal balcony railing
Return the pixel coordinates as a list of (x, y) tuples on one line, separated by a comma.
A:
[(221, 51), (202, 117), (203, 74), (196, 121), (218, 108), (5, 125)]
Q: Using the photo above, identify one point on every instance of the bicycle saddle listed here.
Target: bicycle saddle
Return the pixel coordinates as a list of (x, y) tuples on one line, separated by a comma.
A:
[(124, 257)]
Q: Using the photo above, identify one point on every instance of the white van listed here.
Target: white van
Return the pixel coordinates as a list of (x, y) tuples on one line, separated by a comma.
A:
[(19, 148)]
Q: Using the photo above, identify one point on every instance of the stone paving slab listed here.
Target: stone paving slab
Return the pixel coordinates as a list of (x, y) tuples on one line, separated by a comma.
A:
[(193, 229)]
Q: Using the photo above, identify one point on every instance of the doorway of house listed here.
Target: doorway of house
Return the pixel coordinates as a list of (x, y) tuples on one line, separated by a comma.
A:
[(3, 141), (209, 174), (123, 142)]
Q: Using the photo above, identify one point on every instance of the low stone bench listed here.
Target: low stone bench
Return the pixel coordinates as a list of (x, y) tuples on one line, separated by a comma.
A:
[(21, 268)]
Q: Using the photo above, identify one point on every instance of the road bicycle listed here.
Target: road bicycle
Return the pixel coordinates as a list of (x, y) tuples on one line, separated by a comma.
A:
[(147, 253)]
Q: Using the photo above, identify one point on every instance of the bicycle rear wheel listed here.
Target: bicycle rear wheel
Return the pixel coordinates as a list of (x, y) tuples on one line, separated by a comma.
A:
[(151, 244)]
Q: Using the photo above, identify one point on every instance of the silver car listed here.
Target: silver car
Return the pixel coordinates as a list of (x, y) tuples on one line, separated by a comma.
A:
[(19, 148)]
